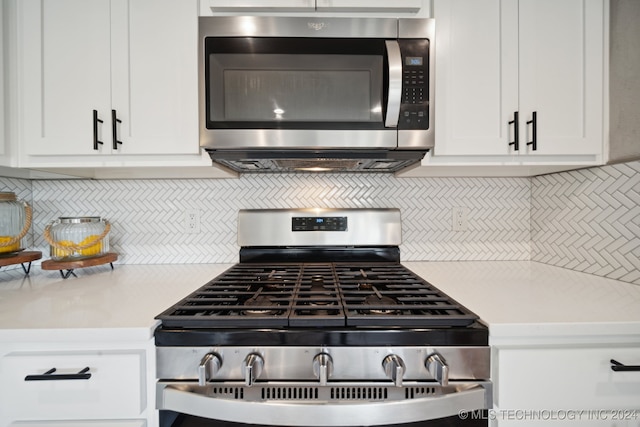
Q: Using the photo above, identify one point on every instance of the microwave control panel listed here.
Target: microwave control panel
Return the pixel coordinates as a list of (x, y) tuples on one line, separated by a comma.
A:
[(414, 107)]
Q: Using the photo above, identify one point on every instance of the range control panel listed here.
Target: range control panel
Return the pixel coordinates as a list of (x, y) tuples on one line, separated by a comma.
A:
[(319, 223), (414, 107)]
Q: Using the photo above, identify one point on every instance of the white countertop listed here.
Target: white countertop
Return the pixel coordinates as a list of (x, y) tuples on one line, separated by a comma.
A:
[(517, 299), (100, 303), (529, 301)]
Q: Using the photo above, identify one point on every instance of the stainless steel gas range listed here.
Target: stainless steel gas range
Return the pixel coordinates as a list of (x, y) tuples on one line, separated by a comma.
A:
[(319, 324)]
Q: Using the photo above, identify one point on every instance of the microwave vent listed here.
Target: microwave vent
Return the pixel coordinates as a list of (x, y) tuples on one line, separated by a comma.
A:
[(291, 161)]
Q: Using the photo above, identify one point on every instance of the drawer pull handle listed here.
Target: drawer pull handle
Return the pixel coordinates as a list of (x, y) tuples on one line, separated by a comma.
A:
[(620, 367), (84, 374)]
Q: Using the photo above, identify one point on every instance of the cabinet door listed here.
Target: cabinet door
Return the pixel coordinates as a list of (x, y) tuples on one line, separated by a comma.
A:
[(154, 76), (64, 67), (477, 76), (561, 75)]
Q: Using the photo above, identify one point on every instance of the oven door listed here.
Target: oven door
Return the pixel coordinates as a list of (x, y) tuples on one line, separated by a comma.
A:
[(304, 405)]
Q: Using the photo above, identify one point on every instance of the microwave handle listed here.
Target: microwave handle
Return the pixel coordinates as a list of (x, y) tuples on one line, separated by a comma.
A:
[(394, 94)]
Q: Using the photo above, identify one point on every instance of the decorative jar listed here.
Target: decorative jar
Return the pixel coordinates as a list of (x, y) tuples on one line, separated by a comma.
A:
[(73, 238), (15, 220)]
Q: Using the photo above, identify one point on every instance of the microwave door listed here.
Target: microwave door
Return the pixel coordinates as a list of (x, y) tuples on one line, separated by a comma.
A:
[(394, 90)]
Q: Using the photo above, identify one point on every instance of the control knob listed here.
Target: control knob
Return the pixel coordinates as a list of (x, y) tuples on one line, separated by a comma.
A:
[(394, 368), (323, 367), (438, 368), (253, 365), (208, 367)]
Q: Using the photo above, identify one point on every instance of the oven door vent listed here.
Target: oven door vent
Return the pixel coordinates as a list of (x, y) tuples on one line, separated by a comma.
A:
[(418, 392), (359, 393), (342, 393), (235, 393), (290, 393)]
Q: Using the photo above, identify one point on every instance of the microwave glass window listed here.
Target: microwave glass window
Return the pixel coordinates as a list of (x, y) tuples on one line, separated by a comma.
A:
[(279, 88), (297, 95)]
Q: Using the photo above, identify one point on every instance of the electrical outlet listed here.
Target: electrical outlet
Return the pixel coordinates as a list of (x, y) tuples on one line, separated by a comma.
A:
[(459, 217), (192, 221)]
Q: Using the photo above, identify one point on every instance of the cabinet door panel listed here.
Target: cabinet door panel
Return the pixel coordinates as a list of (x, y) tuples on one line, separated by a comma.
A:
[(116, 388), (477, 91), (561, 74), (64, 71), (154, 76), (575, 378)]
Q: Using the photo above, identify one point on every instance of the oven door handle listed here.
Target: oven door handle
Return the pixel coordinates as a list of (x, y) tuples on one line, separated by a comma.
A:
[(187, 400), (394, 93)]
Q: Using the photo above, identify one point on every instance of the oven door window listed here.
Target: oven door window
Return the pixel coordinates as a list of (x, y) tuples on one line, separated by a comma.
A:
[(295, 83)]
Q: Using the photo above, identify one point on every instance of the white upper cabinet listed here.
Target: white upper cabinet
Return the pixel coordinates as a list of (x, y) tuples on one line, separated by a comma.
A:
[(95, 72), (542, 58), (561, 73), (154, 75), (476, 76), (415, 7), (65, 69)]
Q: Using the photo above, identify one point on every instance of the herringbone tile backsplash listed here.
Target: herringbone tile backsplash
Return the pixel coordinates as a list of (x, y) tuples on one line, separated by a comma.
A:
[(586, 220), (147, 216), (589, 220)]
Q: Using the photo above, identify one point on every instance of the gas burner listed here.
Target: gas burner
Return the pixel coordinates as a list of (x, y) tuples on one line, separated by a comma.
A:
[(260, 301), (317, 283), (376, 300), (379, 301)]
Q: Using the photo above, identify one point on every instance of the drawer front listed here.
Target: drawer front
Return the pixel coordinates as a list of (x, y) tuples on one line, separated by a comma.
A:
[(114, 389), (571, 378)]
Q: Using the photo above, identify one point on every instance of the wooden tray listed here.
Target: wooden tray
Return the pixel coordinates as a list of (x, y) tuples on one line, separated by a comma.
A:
[(21, 258), (71, 265)]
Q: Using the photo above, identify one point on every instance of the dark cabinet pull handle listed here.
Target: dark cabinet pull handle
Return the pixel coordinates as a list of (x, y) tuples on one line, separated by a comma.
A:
[(96, 120), (84, 374), (534, 131), (619, 367), (514, 122), (114, 124)]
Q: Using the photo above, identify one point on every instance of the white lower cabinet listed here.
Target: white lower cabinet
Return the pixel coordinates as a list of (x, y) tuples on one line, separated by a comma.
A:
[(566, 385), (76, 387)]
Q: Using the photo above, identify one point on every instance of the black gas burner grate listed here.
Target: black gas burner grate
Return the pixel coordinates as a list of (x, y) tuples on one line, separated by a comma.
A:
[(317, 295)]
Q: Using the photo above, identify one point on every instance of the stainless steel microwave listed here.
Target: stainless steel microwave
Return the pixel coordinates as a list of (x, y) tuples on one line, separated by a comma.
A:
[(296, 93)]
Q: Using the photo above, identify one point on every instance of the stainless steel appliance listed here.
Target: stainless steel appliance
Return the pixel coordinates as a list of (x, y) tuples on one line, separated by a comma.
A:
[(319, 324), (295, 93)]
